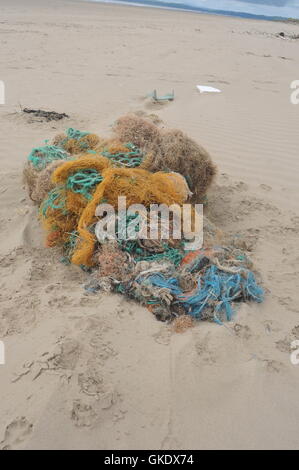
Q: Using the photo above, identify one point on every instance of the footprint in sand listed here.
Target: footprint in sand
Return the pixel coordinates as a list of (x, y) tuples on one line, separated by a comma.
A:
[(16, 433), (242, 331), (59, 302), (163, 336), (92, 384), (289, 303), (285, 345), (83, 415), (241, 186), (295, 332), (265, 187), (155, 105), (169, 443), (66, 355), (273, 366), (206, 354)]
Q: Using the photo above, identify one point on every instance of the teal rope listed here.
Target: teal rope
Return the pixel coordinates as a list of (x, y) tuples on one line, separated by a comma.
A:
[(40, 157), (130, 159), (75, 134), (55, 200), (216, 291), (171, 254), (141, 254), (69, 247), (82, 182)]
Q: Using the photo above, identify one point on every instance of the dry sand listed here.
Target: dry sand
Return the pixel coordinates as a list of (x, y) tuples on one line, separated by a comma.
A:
[(98, 372)]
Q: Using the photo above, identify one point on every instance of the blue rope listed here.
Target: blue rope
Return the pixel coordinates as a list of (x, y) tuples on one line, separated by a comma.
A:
[(159, 280), (215, 290)]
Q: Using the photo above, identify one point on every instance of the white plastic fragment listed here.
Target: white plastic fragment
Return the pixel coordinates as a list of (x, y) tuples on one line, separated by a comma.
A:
[(207, 89)]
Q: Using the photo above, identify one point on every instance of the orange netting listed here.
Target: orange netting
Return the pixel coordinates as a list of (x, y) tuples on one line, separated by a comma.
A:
[(139, 187)]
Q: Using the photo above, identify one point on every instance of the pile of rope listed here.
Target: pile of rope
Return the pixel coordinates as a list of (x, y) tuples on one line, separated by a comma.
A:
[(128, 155), (204, 288), (40, 157), (78, 171)]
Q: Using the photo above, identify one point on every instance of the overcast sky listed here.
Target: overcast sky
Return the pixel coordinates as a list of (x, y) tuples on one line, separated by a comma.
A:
[(286, 8)]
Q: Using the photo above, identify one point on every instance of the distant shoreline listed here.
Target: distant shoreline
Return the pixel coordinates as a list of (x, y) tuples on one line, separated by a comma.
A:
[(189, 8)]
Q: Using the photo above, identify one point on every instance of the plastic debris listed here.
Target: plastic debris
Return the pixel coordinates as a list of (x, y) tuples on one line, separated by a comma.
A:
[(207, 89), (82, 171), (167, 97)]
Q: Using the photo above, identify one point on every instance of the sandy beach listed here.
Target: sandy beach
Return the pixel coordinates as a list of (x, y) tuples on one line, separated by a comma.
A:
[(97, 371)]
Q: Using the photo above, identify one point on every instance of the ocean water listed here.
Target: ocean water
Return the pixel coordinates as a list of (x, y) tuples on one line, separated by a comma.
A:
[(259, 9)]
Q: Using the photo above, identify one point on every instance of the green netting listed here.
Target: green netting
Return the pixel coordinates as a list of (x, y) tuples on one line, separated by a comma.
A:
[(130, 159), (55, 200), (82, 182), (40, 157), (141, 254), (75, 134), (69, 247), (172, 254)]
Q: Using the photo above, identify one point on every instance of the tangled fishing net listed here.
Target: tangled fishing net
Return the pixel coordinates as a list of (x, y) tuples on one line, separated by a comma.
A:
[(75, 142), (76, 178), (169, 150), (39, 161), (138, 130), (182, 323)]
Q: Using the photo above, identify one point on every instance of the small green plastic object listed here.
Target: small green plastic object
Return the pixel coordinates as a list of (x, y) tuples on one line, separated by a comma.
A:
[(168, 97)]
